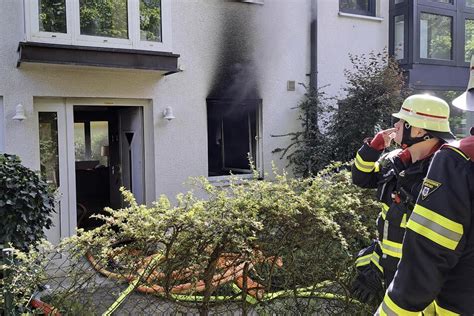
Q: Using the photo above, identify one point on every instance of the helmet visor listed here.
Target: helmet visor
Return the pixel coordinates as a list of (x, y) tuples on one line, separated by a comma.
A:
[(446, 136)]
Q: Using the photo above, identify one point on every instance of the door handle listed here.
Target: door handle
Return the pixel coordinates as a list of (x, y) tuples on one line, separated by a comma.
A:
[(116, 169)]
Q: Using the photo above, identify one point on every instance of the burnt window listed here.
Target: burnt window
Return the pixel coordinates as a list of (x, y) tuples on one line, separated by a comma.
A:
[(232, 129), (361, 7)]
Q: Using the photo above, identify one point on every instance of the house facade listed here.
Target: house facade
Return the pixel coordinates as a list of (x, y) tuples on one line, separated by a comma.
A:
[(146, 93), (433, 40)]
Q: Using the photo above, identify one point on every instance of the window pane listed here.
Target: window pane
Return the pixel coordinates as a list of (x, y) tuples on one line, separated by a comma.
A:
[(108, 18), (100, 141), (52, 16), (362, 5), (399, 40), (49, 148), (469, 40), (150, 20), (91, 141), (399, 1), (79, 142), (436, 36), (443, 1), (470, 3)]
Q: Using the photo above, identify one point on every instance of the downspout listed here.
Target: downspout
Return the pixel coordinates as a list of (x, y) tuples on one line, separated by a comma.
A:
[(313, 76)]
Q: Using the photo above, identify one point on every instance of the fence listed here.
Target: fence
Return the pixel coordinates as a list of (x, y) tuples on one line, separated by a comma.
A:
[(74, 284), (252, 248)]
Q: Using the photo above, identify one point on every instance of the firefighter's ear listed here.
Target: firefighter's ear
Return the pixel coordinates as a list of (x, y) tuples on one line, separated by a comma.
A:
[(419, 132)]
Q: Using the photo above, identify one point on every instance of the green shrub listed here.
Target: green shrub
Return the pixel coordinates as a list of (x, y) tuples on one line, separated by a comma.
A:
[(312, 226), (26, 204), (375, 89)]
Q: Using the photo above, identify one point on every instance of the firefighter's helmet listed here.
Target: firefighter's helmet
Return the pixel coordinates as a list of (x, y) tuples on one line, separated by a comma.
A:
[(427, 112), (466, 100)]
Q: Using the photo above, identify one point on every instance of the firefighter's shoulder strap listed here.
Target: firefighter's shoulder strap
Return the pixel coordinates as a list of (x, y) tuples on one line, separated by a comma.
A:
[(464, 147)]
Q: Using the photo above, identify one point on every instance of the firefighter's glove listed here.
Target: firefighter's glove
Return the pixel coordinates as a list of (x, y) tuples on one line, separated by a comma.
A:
[(378, 142), (367, 286), (405, 157)]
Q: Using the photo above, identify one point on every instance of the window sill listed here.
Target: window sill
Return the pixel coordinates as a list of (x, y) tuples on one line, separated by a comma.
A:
[(224, 181), (253, 1), (361, 17)]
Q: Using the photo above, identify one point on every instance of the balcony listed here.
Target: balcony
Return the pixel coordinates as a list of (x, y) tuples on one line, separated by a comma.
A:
[(433, 40)]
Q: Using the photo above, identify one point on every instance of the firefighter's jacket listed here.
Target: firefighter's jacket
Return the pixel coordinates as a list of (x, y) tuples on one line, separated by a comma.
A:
[(397, 189), (437, 266)]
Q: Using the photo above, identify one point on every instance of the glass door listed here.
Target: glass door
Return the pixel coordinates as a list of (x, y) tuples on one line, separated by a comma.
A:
[(51, 120)]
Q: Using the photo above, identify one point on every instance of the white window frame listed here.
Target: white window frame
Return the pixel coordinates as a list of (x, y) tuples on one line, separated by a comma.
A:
[(103, 41), (74, 36), (33, 32)]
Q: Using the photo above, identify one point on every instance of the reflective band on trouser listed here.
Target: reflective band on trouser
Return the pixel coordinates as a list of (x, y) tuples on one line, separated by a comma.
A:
[(392, 248), (388, 307), (435, 227), (375, 260), (364, 260), (364, 166), (442, 311), (385, 208)]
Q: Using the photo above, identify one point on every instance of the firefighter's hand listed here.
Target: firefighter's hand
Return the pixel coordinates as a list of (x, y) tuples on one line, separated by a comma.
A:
[(382, 139), (367, 286)]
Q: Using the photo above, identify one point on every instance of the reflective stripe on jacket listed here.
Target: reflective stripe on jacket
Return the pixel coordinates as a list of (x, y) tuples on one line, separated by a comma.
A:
[(389, 176), (438, 251)]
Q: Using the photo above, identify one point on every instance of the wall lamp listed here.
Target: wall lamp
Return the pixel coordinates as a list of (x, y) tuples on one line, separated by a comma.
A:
[(168, 113), (19, 113)]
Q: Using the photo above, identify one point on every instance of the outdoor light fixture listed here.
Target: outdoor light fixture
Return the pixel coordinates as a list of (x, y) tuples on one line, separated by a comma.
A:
[(19, 113), (168, 113)]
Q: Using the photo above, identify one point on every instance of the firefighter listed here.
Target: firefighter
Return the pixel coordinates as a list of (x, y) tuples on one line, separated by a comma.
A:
[(436, 273), (422, 127)]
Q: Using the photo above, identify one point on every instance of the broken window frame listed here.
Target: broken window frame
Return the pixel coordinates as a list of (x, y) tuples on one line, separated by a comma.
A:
[(218, 107)]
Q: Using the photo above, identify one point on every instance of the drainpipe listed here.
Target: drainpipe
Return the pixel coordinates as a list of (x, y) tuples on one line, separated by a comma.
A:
[(313, 76)]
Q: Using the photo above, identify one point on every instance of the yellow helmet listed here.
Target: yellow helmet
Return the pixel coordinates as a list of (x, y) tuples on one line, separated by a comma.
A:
[(427, 112)]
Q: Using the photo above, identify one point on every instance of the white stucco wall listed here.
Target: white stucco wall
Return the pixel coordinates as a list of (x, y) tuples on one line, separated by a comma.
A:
[(279, 45), (340, 35), (2, 126), (280, 51), (21, 85)]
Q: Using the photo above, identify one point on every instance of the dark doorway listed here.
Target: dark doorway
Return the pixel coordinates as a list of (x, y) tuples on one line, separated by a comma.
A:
[(108, 143)]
